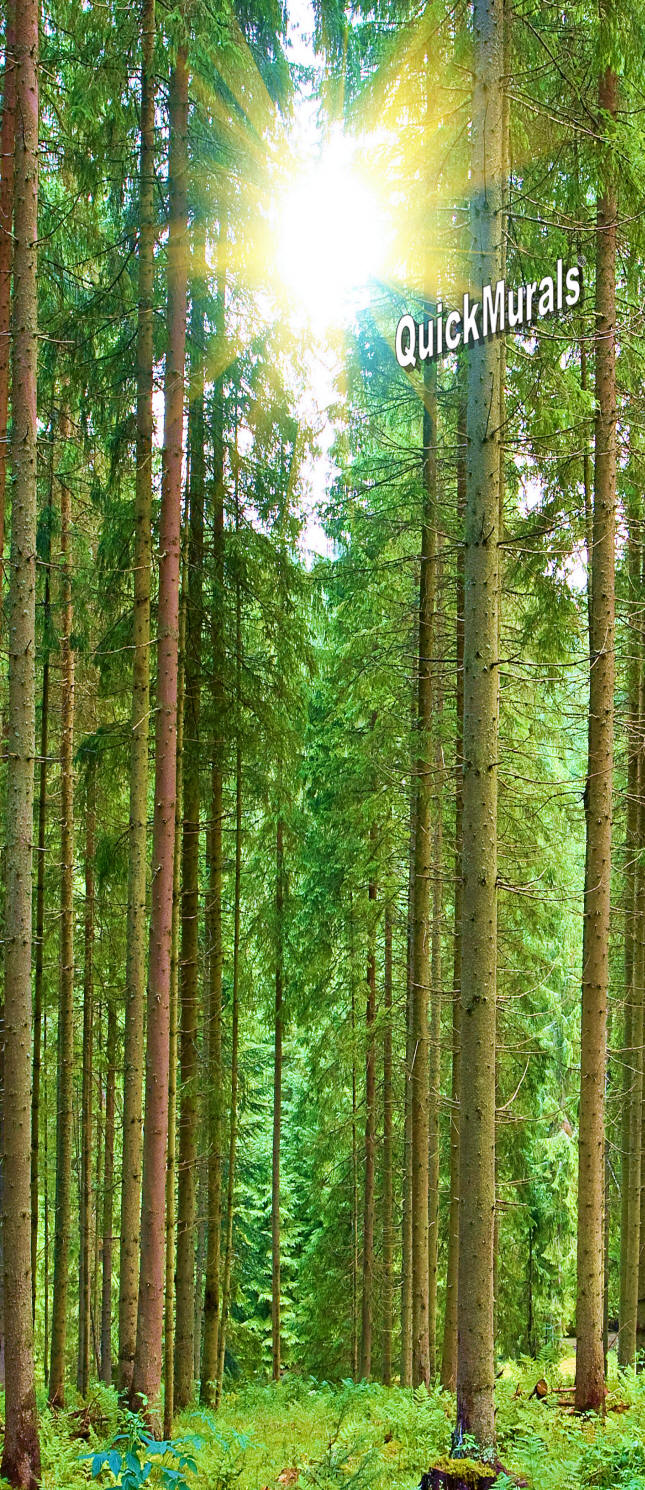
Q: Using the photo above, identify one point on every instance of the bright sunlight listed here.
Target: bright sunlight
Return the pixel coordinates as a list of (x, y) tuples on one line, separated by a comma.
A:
[(331, 236)]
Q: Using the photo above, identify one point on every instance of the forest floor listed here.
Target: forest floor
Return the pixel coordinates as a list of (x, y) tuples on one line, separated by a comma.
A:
[(304, 1435)]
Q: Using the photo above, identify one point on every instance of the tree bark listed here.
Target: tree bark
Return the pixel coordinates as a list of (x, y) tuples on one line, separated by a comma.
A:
[(388, 1107), (186, 1205), (370, 1147), (107, 1238), (435, 1029), (146, 1380), (84, 1317), (40, 880), (64, 1111), (235, 1000), (421, 910), (633, 1004), (21, 1452), (475, 1366), (355, 1255), (210, 1347), (135, 989), (639, 952), (7, 136), (169, 1401), (277, 1107), (449, 1354), (406, 1220), (590, 1373)]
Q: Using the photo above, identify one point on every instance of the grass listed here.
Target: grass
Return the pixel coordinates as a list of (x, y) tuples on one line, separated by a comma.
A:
[(306, 1435)]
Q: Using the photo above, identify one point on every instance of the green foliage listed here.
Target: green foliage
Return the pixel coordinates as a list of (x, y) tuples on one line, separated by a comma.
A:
[(135, 1458)]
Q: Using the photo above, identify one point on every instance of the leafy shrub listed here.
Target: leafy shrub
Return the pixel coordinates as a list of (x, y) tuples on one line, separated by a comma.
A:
[(134, 1458)]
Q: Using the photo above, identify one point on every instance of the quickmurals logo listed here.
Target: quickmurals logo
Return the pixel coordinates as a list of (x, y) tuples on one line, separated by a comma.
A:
[(498, 310)]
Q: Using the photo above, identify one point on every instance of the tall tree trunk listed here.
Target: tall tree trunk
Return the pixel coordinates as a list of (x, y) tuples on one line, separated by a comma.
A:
[(421, 913), (633, 1017), (40, 880), (590, 1374), (185, 1305), (169, 1401), (475, 1367), (406, 1220), (138, 829), (146, 1379), (200, 1256), (108, 1196), (7, 135), (210, 1349), (449, 1354), (639, 950), (21, 1452), (388, 1105), (370, 1148), (435, 1032), (83, 1373), (354, 1163), (277, 1107), (95, 1230), (235, 999), (64, 1112)]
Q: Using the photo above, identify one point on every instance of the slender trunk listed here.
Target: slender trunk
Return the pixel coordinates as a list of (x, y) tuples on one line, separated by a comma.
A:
[(633, 1020), (21, 1452), (406, 1226), (46, 1249), (186, 1205), (83, 1373), (388, 1106), (435, 1039), (95, 1230), (200, 1257), (421, 912), (135, 989), (354, 1185), (277, 1107), (370, 1148), (108, 1196), (639, 950), (475, 1367), (235, 1001), (7, 134), (146, 1379), (169, 1401), (590, 1374), (210, 1347), (64, 1111), (40, 883), (449, 1356)]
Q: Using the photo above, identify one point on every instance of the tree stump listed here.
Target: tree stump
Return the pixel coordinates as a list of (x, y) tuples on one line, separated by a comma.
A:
[(459, 1474)]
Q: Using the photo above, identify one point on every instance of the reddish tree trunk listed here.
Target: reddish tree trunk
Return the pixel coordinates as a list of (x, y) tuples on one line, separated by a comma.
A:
[(6, 250), (185, 1291), (64, 1114), (590, 1371), (138, 830), (21, 1453), (146, 1380)]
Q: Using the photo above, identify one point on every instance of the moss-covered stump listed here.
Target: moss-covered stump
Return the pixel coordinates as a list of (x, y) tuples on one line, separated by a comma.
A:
[(459, 1474)]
